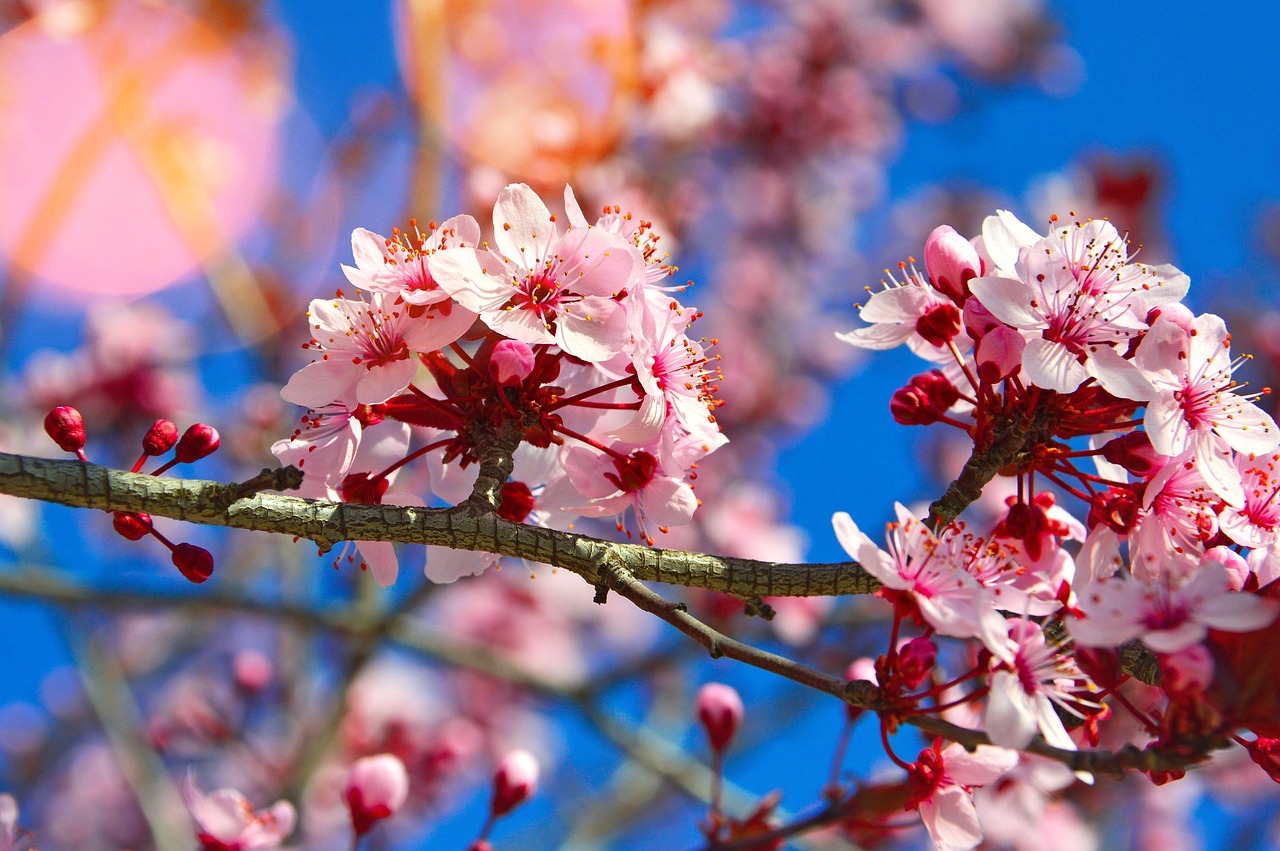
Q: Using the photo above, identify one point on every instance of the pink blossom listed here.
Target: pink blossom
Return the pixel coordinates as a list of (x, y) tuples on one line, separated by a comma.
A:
[(541, 286), (948, 598), (377, 787), (942, 781), (1168, 614), (906, 311), (367, 347), (952, 262), (1194, 406), (398, 266), (225, 821), (1029, 679)]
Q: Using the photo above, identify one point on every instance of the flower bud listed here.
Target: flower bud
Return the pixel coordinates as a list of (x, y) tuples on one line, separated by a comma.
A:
[(511, 362), (1102, 664), (514, 781), (197, 442), (517, 502), (252, 670), (65, 425), (1265, 751), (1134, 452), (999, 354), (916, 659), (195, 563), (160, 438), (1236, 567), (978, 321), (941, 392), (720, 711), (911, 406), (1189, 671), (940, 324), (952, 262), (132, 526), (377, 787), (1116, 507)]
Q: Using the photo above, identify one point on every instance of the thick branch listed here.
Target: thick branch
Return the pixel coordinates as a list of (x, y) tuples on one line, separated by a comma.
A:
[(466, 527)]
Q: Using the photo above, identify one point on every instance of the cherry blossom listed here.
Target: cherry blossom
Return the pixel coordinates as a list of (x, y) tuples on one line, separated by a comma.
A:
[(538, 285), (225, 821), (1029, 679), (942, 780), (1194, 405), (398, 266)]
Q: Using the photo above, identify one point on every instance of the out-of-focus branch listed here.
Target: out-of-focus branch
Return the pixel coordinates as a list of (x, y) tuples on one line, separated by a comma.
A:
[(465, 527)]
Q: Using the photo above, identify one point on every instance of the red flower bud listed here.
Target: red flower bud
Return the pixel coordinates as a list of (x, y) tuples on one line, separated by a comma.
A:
[(1134, 452), (195, 563), (952, 262), (999, 354), (65, 425), (130, 525), (517, 502), (916, 659), (160, 438), (1116, 507), (720, 711), (910, 406), (197, 442), (939, 324), (1266, 753), (514, 781)]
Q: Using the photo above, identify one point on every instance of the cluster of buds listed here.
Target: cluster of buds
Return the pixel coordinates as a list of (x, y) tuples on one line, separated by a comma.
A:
[(65, 426), (564, 342)]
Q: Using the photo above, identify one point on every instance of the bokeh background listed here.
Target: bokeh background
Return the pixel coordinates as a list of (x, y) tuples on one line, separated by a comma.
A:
[(179, 177)]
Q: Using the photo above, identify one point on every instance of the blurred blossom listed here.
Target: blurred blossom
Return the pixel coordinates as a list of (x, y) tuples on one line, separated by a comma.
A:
[(158, 157), (534, 88)]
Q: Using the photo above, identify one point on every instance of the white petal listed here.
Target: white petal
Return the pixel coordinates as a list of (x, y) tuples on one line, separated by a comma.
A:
[(1118, 376), (1213, 458), (1004, 236), (1010, 719), (1009, 300), (1052, 366), (522, 226)]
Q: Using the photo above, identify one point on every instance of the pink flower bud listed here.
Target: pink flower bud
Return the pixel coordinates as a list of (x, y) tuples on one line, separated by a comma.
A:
[(916, 659), (511, 362), (1189, 671), (65, 425), (195, 563), (941, 392), (978, 321), (911, 406), (197, 442), (1134, 452), (999, 354), (514, 781), (720, 711), (1178, 314), (132, 526), (951, 262), (940, 324), (253, 671), (1235, 565), (160, 438), (377, 787)]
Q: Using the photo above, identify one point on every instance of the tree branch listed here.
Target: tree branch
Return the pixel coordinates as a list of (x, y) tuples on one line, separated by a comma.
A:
[(465, 527)]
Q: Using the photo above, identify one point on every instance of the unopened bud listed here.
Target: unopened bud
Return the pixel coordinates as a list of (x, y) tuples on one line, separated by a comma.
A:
[(65, 425), (517, 502), (511, 362), (1102, 664), (1117, 508), (910, 406), (916, 659), (720, 711), (197, 442), (1134, 452), (952, 262), (1265, 751), (999, 354), (1189, 671), (940, 323), (160, 438), (135, 527), (1232, 562), (377, 787), (514, 781), (978, 321), (195, 563)]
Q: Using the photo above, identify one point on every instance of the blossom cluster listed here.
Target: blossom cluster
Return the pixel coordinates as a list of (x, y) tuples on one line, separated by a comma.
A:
[(1112, 393), (565, 340)]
